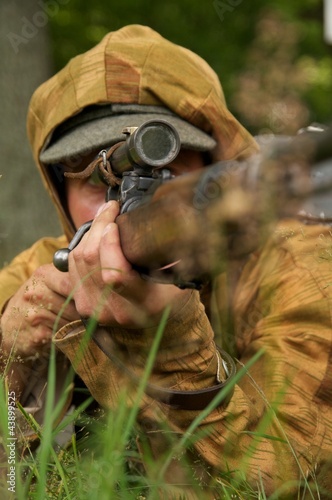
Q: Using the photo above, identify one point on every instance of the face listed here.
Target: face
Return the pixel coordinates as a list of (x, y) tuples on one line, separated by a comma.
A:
[(85, 196)]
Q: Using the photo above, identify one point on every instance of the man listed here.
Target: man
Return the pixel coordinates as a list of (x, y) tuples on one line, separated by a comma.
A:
[(275, 427)]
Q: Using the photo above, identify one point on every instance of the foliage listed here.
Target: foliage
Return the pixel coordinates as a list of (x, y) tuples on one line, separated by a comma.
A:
[(104, 462), (238, 38)]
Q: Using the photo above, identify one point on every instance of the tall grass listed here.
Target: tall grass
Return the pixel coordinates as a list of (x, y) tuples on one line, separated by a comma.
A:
[(105, 464)]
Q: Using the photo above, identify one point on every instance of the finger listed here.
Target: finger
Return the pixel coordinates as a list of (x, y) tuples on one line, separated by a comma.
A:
[(48, 278), (115, 269), (111, 210), (86, 281), (94, 254), (49, 289), (62, 310), (86, 255)]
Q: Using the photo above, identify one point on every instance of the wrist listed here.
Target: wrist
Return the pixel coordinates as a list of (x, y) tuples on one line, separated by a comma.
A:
[(185, 382), (188, 371), (186, 332), (187, 357)]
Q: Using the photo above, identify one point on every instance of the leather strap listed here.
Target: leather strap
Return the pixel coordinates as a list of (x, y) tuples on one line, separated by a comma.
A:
[(181, 400)]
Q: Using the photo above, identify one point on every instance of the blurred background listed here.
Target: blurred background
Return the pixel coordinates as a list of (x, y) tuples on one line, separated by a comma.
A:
[(273, 61)]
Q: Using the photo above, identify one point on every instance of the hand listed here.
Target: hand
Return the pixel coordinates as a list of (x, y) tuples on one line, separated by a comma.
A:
[(107, 287), (31, 314)]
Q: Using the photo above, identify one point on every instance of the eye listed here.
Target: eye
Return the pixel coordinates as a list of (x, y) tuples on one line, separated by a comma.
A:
[(95, 180)]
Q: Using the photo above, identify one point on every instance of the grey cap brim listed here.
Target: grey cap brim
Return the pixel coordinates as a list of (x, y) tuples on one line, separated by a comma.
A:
[(101, 126)]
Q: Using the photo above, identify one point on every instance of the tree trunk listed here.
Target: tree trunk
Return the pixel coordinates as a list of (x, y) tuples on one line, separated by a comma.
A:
[(26, 212)]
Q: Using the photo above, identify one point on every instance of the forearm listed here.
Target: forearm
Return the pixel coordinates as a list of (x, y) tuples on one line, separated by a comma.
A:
[(186, 360), (243, 434)]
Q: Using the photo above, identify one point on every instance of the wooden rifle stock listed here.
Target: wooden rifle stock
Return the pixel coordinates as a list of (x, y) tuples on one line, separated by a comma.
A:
[(197, 222)]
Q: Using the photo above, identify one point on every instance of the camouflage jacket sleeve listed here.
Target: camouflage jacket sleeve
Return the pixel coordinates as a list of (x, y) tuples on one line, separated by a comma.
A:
[(276, 429)]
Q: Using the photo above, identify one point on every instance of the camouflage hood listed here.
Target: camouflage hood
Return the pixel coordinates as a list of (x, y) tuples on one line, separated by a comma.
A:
[(135, 65)]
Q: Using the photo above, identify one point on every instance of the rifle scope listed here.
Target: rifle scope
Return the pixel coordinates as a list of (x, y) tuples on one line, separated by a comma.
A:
[(154, 144)]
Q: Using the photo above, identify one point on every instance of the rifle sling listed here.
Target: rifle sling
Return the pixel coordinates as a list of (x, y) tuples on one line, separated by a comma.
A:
[(180, 400)]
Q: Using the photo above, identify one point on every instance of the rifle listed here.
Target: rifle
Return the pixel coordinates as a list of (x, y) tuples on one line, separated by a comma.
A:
[(184, 230)]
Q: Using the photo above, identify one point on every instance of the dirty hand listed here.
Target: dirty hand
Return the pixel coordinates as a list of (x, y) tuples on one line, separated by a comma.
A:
[(34, 311), (106, 286)]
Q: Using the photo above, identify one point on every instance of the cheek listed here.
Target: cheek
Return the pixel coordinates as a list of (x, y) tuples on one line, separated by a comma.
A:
[(82, 206)]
